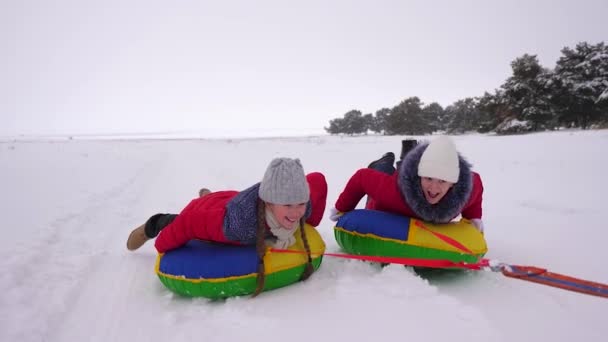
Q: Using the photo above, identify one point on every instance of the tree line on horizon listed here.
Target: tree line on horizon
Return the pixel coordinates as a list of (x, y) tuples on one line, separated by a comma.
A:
[(572, 95)]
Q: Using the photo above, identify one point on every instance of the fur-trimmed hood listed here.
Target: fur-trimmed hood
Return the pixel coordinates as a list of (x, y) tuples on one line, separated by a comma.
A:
[(450, 206)]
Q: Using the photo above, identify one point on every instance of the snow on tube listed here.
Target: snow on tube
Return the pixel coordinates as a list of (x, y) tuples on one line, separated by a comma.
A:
[(372, 232), (214, 270)]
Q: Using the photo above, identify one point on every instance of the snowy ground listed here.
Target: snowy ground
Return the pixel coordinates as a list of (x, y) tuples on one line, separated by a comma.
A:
[(68, 206)]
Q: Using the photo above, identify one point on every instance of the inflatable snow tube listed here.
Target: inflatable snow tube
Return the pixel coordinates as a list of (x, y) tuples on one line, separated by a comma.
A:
[(371, 232), (213, 270)]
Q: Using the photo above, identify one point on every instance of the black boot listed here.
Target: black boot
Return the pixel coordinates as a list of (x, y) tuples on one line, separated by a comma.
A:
[(156, 223), (384, 164), (406, 146)]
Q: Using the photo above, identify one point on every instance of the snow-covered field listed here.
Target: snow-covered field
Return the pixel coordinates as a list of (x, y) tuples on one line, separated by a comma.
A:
[(68, 205)]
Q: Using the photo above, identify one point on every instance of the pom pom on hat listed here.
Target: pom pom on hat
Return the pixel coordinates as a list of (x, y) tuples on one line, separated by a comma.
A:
[(440, 160), (284, 182)]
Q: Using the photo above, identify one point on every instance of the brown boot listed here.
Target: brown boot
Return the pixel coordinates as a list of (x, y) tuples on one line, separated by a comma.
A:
[(203, 192), (137, 238)]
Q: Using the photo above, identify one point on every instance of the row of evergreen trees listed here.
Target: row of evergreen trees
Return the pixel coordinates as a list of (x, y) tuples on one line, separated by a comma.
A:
[(534, 98)]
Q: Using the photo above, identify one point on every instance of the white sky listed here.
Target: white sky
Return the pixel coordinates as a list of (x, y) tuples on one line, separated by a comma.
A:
[(261, 67)]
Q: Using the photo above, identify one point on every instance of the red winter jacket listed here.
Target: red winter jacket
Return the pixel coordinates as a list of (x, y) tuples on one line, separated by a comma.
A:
[(385, 194), (203, 217)]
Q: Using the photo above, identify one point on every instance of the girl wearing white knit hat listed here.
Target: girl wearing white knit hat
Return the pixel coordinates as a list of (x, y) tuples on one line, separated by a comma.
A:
[(434, 183)]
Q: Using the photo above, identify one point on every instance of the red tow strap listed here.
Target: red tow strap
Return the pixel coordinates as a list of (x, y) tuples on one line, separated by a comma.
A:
[(542, 276), (433, 263), (528, 273)]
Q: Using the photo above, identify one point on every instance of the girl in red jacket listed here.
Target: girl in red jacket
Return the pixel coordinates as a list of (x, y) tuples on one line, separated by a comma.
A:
[(433, 183), (267, 213)]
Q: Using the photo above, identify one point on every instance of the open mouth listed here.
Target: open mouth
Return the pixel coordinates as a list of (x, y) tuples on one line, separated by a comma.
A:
[(291, 223), (432, 195)]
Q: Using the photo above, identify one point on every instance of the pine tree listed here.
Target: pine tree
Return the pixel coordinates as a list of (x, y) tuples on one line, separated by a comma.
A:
[(526, 95), (464, 116), (379, 121), (579, 82), (407, 118), (435, 116)]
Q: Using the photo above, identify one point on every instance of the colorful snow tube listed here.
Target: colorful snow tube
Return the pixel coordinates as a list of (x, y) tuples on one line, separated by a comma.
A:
[(213, 270), (371, 232)]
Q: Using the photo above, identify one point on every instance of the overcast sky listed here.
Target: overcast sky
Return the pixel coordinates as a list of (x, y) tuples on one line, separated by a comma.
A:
[(247, 68)]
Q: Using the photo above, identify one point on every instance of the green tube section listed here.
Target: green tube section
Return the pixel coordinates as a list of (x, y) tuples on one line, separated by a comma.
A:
[(364, 245)]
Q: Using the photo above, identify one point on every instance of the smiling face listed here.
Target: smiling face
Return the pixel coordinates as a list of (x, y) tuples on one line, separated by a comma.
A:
[(287, 215), (434, 189)]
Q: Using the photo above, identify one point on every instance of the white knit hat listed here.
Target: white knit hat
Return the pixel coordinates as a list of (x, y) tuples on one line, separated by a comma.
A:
[(284, 182), (440, 160)]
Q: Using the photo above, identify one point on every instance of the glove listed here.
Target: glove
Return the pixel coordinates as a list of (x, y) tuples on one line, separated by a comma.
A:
[(478, 223), (334, 214)]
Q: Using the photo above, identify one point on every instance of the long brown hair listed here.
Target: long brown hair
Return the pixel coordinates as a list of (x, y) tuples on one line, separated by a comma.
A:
[(260, 246)]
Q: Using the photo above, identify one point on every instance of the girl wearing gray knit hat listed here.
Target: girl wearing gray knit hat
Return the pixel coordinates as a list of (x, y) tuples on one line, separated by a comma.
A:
[(267, 213), (285, 191)]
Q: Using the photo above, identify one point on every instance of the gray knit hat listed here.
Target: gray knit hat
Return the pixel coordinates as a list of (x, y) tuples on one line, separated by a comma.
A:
[(284, 182)]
